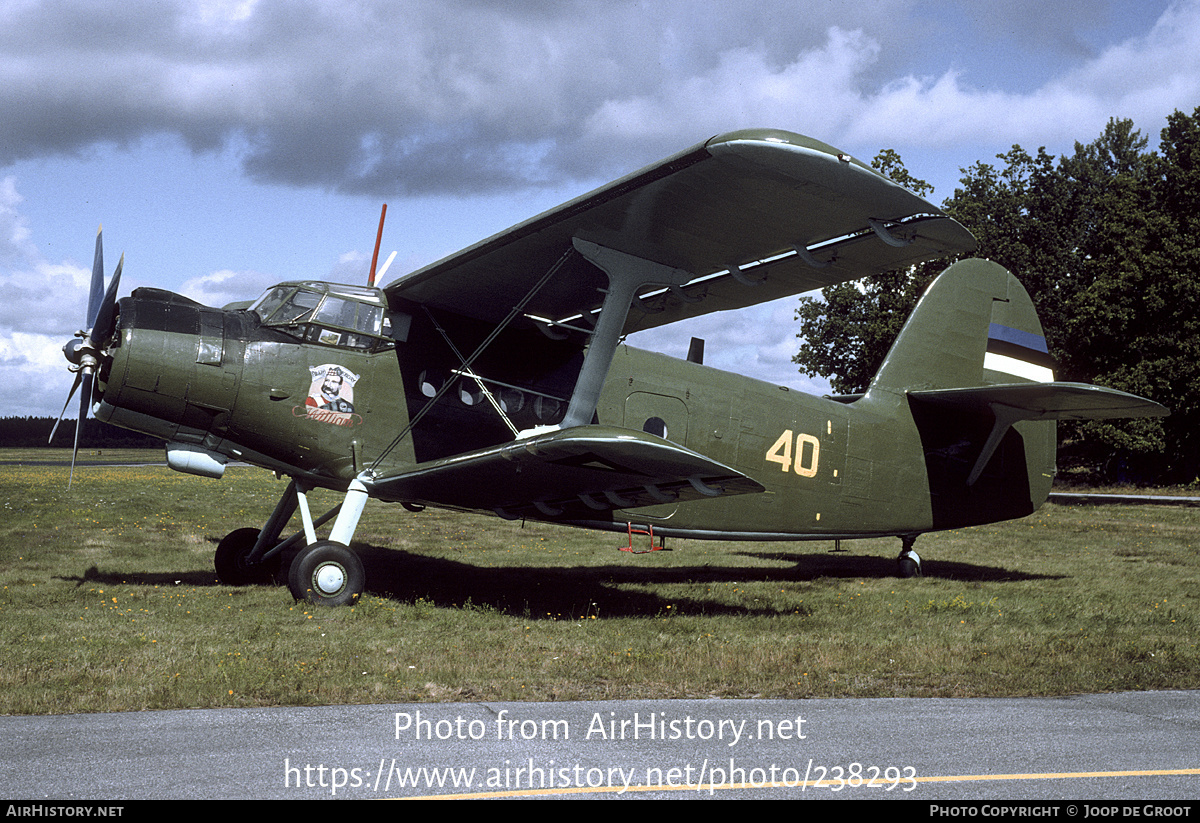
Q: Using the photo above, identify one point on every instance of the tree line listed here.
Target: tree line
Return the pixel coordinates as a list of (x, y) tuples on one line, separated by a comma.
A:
[(1107, 242), (34, 432)]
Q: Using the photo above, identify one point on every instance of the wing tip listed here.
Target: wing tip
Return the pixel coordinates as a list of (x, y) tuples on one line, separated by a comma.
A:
[(788, 140)]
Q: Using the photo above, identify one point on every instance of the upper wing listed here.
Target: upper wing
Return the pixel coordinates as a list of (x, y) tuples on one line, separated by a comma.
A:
[(751, 216)]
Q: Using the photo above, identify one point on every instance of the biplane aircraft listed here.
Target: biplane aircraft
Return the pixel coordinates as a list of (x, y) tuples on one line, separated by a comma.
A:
[(496, 380)]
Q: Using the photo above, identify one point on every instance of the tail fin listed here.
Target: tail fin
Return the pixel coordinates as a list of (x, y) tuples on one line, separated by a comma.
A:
[(973, 365), (974, 341), (974, 326)]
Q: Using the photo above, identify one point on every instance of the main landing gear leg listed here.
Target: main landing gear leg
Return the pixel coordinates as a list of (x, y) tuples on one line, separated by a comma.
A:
[(327, 572), (255, 556), (909, 562)]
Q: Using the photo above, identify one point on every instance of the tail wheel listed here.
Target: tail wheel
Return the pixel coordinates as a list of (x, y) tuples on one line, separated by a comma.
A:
[(327, 574), (910, 564)]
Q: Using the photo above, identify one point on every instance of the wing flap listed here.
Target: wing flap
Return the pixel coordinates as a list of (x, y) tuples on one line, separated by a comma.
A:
[(569, 472), (726, 211)]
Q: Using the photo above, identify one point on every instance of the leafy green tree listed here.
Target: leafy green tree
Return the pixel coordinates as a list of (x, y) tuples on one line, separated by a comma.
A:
[(848, 331), (1020, 214), (1102, 300), (1173, 343), (850, 328), (1138, 319)]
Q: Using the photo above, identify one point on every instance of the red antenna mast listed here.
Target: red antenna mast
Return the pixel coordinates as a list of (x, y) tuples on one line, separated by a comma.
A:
[(378, 239)]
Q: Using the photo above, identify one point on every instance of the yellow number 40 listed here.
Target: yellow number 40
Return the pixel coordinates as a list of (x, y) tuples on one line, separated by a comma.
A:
[(806, 458)]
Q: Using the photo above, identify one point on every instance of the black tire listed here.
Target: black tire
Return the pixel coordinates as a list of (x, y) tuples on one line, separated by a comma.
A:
[(231, 565), (327, 574), (909, 567)]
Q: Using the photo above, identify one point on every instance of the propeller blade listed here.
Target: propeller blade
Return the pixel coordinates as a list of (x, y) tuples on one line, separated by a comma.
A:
[(70, 394), (96, 291), (85, 401), (103, 323), (85, 354), (382, 271)]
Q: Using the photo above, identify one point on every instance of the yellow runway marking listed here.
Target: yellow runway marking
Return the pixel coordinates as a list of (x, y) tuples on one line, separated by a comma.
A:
[(1056, 775), (821, 784)]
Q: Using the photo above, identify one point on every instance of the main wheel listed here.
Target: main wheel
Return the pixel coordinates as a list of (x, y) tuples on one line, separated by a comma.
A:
[(327, 574), (231, 565)]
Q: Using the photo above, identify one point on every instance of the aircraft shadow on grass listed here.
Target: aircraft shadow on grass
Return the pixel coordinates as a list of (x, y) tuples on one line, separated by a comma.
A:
[(563, 592)]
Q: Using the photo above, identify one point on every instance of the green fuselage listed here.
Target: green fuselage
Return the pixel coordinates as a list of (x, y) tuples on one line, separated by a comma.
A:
[(223, 382)]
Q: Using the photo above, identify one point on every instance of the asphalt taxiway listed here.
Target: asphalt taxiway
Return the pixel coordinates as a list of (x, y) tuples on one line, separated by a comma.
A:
[(1137, 746)]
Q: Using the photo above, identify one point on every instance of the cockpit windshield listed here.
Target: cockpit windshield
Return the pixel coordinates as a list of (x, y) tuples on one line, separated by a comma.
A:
[(333, 315)]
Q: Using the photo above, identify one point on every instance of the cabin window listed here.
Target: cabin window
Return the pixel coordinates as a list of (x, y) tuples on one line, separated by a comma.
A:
[(656, 426), (297, 308), (348, 314)]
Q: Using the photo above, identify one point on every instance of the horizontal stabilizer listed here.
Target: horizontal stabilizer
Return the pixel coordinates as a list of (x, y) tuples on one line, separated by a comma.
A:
[(1046, 401), (567, 473), (1013, 402)]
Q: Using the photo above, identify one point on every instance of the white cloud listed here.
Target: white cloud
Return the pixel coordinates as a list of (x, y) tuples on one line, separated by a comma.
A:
[(226, 286), (756, 342), (450, 96), (44, 303), (1143, 78), (38, 295), (818, 87)]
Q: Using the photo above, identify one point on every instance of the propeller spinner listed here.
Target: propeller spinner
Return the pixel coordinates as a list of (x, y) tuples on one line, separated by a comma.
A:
[(86, 350)]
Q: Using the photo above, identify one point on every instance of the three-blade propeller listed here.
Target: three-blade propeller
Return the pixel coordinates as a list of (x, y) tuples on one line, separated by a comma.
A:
[(85, 350)]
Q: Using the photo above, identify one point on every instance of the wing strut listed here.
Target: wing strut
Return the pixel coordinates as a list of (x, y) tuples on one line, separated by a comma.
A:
[(516, 311), (626, 274), (1005, 417), (466, 369)]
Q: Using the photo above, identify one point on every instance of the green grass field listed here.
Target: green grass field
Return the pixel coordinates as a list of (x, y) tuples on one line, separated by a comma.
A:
[(108, 602)]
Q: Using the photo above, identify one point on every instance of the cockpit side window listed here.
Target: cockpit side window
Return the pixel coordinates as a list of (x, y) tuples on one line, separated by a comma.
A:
[(266, 305), (350, 314), (328, 319), (297, 309)]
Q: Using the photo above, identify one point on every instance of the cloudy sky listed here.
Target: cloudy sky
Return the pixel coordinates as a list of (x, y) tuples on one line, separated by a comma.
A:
[(229, 144)]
